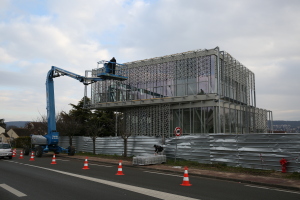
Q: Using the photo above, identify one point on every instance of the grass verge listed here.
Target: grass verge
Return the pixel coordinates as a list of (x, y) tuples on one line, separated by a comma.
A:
[(214, 167), (220, 167), (115, 156)]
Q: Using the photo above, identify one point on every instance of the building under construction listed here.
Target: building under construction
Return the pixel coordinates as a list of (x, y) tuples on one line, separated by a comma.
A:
[(201, 91)]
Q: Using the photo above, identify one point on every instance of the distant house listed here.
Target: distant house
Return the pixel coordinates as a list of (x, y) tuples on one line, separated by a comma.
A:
[(14, 133), (2, 134), (2, 130), (31, 128)]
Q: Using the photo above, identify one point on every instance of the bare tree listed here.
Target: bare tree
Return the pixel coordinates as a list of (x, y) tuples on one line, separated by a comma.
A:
[(122, 131), (68, 125), (93, 129), (99, 124), (2, 123), (38, 126)]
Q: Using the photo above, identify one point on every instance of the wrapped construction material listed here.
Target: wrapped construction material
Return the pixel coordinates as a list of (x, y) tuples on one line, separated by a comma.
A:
[(149, 160)]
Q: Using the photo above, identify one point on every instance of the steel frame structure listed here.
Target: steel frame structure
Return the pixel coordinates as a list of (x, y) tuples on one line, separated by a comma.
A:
[(201, 91)]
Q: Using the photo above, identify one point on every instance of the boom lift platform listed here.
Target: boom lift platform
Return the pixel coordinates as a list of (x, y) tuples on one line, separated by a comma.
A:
[(49, 142), (109, 69)]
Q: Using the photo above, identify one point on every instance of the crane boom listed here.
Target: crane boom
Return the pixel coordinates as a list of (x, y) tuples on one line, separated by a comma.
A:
[(52, 134), (49, 142)]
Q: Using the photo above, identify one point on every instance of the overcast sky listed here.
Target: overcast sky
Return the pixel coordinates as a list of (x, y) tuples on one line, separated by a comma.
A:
[(75, 34)]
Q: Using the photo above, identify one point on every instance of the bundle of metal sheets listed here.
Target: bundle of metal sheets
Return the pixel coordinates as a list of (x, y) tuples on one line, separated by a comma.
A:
[(149, 160)]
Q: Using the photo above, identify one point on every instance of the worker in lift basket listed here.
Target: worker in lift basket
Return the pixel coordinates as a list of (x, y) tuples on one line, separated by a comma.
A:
[(112, 66), (158, 149)]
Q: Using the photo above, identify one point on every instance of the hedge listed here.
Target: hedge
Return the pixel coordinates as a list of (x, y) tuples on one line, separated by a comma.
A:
[(23, 141)]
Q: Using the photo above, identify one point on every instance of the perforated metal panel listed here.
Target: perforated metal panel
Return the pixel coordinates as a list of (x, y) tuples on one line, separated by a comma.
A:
[(148, 120), (186, 75)]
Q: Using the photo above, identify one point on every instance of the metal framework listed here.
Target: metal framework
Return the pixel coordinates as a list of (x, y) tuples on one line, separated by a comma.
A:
[(201, 91)]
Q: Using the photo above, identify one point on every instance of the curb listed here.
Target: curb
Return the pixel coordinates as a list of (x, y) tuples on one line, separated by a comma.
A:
[(195, 174)]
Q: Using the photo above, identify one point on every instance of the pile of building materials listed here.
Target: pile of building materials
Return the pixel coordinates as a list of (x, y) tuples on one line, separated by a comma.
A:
[(149, 160)]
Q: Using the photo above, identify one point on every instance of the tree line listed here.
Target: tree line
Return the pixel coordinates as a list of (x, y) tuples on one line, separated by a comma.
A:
[(80, 121)]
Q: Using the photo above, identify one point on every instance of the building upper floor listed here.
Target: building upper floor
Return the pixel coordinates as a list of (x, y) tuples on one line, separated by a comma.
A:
[(198, 72)]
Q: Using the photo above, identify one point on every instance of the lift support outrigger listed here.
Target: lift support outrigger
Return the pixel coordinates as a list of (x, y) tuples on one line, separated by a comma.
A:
[(49, 142)]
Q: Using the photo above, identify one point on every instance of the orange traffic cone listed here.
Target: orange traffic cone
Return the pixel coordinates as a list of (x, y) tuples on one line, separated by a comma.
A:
[(53, 160), (14, 153), (186, 181), (120, 172), (86, 165), (31, 157), (21, 155)]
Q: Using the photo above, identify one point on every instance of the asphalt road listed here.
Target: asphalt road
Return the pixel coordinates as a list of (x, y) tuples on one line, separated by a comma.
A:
[(24, 179)]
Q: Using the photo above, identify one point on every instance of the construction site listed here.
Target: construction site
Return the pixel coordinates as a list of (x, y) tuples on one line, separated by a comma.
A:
[(199, 105), (201, 91)]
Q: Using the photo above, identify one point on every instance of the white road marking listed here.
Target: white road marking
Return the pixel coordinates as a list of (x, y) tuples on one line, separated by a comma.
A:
[(62, 160), (267, 188), (13, 190), (101, 165), (140, 190), (162, 173)]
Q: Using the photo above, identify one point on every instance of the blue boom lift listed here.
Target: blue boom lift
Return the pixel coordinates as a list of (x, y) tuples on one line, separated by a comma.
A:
[(49, 142)]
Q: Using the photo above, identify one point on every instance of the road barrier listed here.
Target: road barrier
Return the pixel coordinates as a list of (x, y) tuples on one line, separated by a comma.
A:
[(53, 160), (120, 171), (186, 181), (31, 157), (86, 164), (258, 151), (21, 155)]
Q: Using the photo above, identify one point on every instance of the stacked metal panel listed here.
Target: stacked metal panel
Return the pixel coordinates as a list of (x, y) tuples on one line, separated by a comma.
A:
[(149, 160)]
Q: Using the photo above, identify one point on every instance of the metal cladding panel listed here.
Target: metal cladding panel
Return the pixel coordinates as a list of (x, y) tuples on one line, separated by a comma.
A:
[(258, 151), (81, 143), (195, 148), (142, 145), (136, 146), (64, 142)]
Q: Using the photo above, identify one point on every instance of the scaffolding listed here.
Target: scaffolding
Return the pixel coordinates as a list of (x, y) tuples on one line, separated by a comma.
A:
[(201, 91)]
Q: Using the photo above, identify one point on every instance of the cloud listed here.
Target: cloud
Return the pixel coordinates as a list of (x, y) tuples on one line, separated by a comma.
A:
[(35, 35)]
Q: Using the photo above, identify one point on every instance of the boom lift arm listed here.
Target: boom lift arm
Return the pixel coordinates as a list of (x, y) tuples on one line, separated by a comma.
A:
[(52, 136), (49, 142)]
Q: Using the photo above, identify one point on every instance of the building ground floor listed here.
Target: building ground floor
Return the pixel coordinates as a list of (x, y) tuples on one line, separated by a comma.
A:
[(196, 114)]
